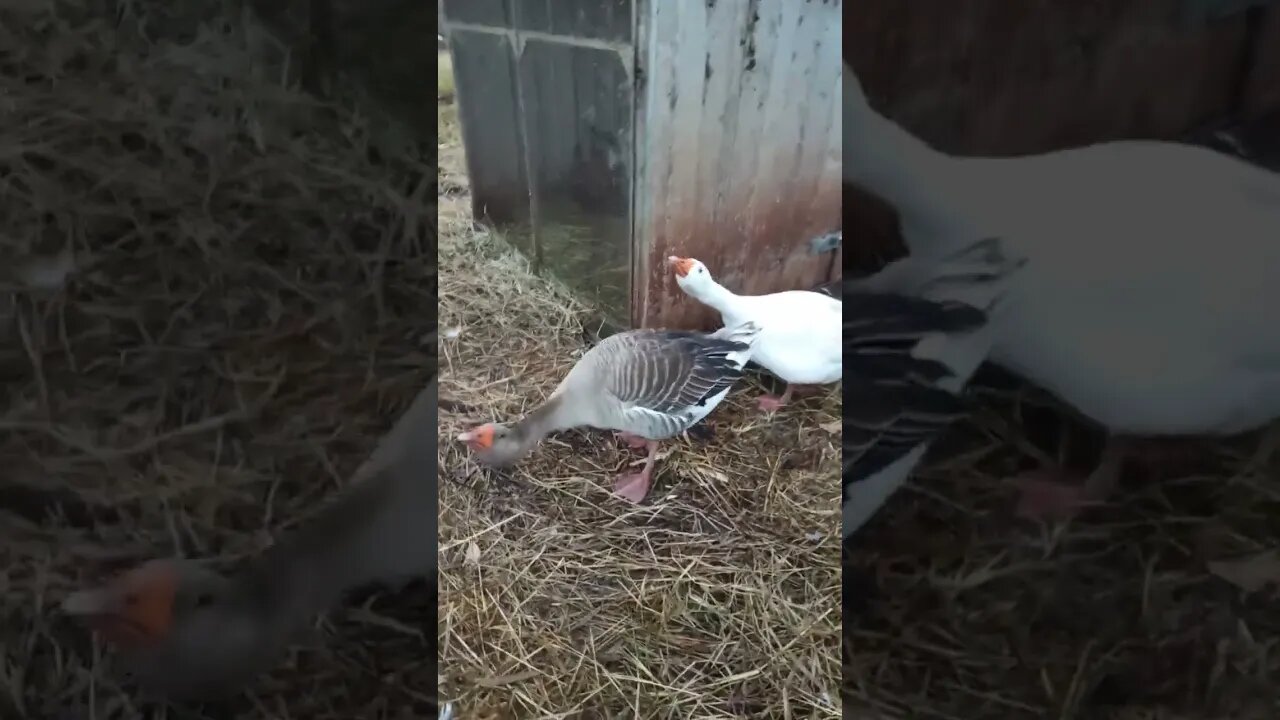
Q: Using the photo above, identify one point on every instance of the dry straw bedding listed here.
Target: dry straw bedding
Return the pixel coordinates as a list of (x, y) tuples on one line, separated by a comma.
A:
[(234, 304), (714, 598)]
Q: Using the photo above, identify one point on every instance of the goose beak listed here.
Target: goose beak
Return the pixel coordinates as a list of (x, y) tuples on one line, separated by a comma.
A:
[(136, 608), (478, 439), (681, 266)]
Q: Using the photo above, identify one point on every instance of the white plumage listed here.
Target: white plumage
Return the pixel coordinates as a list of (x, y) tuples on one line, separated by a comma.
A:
[(1147, 298)]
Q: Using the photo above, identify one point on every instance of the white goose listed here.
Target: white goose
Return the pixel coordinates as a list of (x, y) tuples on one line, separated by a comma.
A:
[(916, 331), (1151, 281), (648, 385), (799, 329)]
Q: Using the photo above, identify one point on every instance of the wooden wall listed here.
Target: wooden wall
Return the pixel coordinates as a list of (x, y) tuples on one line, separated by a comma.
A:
[(1002, 78), (1262, 91), (738, 148)]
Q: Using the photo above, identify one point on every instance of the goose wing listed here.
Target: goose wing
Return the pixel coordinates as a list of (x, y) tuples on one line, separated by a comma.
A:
[(912, 337), (670, 370), (664, 379), (892, 402)]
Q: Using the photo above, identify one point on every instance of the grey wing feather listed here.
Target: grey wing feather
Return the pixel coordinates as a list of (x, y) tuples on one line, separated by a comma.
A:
[(673, 370), (892, 401)]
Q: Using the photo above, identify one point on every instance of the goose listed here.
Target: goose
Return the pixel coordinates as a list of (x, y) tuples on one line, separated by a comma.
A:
[(799, 329), (914, 334), (185, 632), (1146, 301), (648, 385)]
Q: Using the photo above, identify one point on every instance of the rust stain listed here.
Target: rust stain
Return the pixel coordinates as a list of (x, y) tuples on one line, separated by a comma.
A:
[(769, 255), (739, 166)]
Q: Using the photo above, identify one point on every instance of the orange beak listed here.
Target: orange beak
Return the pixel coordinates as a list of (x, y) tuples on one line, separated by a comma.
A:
[(477, 439), (681, 266), (134, 610)]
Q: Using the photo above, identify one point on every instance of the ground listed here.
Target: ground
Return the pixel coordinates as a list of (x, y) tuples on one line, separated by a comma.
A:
[(714, 598), (1162, 604), (215, 297)]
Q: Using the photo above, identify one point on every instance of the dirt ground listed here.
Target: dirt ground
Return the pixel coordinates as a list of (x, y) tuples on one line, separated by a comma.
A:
[(715, 598), (1165, 603), (215, 297)]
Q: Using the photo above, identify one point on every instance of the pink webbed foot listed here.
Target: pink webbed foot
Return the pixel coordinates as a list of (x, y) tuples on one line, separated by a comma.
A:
[(1049, 495), (773, 403), (632, 487), (1057, 495), (770, 403)]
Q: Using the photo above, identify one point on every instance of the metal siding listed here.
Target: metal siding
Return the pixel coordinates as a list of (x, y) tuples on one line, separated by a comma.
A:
[(1008, 78), (739, 112)]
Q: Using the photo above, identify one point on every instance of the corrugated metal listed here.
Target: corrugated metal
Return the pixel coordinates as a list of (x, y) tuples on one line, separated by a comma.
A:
[(733, 156), (739, 162), (990, 77)]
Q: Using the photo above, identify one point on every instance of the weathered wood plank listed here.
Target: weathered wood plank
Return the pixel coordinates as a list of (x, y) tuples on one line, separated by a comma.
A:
[(739, 166)]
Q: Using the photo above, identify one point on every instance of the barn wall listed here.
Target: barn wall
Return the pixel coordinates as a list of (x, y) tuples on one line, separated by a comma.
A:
[(545, 96), (739, 148), (1003, 78), (1262, 93)]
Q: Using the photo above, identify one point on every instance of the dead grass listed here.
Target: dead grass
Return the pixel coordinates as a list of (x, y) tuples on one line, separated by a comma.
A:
[(444, 76), (1119, 614), (715, 598), (240, 309)]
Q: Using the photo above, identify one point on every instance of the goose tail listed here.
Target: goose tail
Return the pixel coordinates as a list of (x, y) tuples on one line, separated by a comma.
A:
[(744, 333), (977, 274)]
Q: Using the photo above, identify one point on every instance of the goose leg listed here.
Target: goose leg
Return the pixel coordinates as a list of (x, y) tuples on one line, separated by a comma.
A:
[(772, 403), (632, 487), (633, 441), (1052, 495)]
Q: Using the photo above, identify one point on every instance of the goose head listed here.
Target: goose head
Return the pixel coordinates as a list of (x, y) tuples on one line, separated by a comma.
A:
[(495, 443), (180, 629), (691, 275)]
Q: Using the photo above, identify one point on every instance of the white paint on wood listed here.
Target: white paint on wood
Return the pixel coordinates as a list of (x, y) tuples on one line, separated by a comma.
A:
[(739, 168)]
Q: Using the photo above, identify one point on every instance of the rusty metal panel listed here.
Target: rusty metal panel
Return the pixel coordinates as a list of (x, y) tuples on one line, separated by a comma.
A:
[(740, 153), (990, 77)]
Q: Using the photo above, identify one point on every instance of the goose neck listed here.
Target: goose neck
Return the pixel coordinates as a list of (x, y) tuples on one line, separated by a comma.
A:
[(715, 295), (900, 168), (549, 417)]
